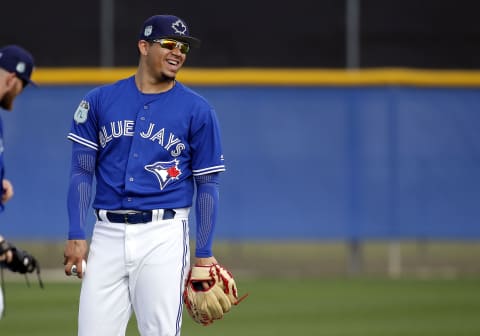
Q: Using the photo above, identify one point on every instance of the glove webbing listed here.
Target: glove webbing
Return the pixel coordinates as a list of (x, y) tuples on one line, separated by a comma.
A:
[(40, 282), (227, 289)]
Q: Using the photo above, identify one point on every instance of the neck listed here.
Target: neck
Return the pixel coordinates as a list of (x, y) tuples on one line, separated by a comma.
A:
[(150, 84)]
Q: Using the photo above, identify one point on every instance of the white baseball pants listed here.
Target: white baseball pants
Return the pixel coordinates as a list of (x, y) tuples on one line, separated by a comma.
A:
[(135, 266)]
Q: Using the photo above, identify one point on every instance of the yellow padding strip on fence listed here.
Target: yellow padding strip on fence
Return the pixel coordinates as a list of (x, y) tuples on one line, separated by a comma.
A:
[(272, 77)]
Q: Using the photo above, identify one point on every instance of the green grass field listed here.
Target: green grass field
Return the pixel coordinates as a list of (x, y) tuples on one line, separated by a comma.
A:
[(326, 306)]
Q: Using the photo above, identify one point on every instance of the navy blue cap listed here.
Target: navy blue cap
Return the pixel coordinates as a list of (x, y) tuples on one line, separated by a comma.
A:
[(16, 59), (167, 26)]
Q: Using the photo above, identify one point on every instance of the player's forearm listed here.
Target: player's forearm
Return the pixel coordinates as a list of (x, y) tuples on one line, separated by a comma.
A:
[(206, 210), (78, 201), (80, 191)]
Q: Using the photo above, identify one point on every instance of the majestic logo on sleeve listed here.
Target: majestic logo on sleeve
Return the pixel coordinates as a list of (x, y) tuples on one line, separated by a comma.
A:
[(165, 171)]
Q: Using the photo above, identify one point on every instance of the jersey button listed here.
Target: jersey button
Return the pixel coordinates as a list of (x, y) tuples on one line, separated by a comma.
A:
[(142, 118), (145, 107), (131, 179), (135, 155), (129, 199)]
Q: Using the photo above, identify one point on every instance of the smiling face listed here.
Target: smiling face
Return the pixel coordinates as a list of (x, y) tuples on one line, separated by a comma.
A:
[(160, 63)]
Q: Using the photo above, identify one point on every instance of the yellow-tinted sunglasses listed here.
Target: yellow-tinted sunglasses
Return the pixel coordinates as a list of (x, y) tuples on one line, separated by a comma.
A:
[(172, 44)]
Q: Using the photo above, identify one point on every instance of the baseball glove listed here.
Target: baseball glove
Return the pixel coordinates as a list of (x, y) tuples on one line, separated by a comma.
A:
[(22, 262), (210, 292)]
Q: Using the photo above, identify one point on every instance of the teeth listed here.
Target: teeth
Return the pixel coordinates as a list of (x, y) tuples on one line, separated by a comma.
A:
[(172, 62)]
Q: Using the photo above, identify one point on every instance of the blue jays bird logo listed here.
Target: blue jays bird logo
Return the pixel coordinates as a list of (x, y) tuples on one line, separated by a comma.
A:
[(165, 171)]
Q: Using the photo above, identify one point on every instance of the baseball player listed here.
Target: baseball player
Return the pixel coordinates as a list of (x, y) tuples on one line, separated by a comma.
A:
[(16, 66), (149, 141)]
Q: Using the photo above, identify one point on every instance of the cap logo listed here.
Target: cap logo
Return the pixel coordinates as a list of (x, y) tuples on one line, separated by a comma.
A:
[(179, 27), (147, 31), (20, 67)]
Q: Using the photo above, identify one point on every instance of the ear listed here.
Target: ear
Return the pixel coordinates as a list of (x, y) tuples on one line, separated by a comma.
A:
[(143, 47), (4, 75), (11, 80)]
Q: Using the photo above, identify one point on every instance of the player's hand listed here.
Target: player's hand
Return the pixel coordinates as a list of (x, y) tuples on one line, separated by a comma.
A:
[(7, 190), (5, 254), (206, 262), (205, 305), (7, 257), (75, 252)]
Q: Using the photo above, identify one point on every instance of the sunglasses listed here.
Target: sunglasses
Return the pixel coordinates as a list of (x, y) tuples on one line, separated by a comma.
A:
[(172, 44)]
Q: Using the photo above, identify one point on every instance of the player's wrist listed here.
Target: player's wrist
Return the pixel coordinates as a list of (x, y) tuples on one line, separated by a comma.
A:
[(205, 261)]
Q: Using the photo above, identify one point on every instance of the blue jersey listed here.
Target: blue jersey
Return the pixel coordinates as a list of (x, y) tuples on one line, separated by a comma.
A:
[(149, 146)]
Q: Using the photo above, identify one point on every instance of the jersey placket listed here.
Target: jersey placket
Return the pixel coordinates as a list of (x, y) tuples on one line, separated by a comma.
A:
[(134, 161)]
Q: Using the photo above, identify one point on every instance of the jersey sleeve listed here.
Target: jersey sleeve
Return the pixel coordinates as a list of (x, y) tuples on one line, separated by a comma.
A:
[(84, 126), (207, 151)]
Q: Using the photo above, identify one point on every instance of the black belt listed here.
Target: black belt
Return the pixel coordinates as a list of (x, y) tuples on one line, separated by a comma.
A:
[(136, 217)]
